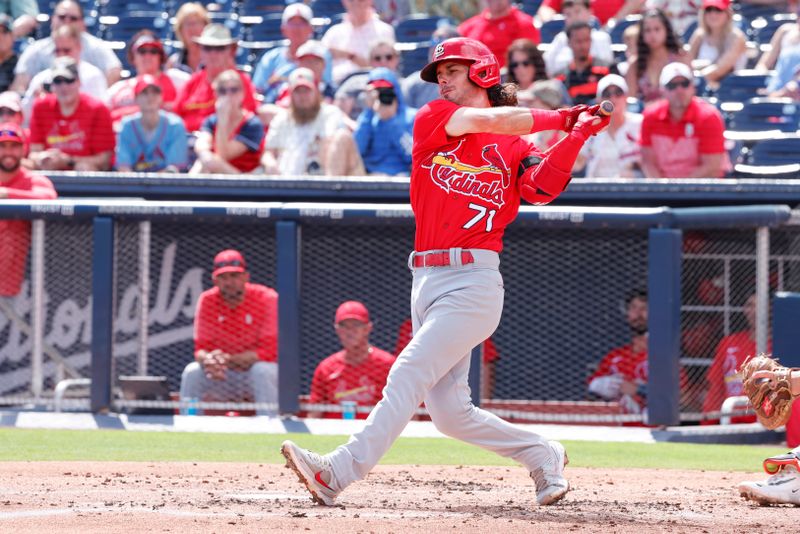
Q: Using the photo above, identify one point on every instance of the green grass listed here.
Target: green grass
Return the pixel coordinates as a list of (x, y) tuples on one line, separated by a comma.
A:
[(115, 445)]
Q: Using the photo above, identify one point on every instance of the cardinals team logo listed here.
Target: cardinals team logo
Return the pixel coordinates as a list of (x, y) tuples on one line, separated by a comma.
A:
[(487, 181), (438, 51)]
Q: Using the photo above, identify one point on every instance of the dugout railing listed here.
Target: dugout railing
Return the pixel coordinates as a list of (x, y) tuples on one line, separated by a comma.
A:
[(111, 285)]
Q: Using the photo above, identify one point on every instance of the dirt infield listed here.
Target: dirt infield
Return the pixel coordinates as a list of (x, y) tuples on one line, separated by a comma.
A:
[(183, 497)]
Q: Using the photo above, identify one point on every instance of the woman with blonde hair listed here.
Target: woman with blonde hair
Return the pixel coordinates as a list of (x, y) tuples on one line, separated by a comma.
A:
[(190, 20), (717, 47)]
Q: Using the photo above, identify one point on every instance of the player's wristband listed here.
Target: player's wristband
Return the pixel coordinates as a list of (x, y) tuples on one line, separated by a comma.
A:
[(544, 119)]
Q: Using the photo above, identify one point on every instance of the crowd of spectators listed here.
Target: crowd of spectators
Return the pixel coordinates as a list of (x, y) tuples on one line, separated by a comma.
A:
[(354, 121)]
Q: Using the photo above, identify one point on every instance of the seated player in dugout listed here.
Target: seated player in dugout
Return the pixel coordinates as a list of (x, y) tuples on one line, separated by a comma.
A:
[(235, 340), (490, 357), (16, 182), (358, 372)]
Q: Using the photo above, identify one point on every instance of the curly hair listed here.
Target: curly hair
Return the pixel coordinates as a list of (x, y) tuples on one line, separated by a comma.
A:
[(503, 94), (534, 55), (673, 42)]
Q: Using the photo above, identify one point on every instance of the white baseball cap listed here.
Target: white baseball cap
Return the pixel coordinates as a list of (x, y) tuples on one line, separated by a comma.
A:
[(312, 47), (302, 77), (297, 10), (675, 70), (611, 79)]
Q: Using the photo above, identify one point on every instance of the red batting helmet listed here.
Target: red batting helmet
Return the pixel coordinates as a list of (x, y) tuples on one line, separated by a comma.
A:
[(484, 69)]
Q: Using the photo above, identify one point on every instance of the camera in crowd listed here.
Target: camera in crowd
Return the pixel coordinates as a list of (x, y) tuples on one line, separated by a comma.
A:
[(386, 95)]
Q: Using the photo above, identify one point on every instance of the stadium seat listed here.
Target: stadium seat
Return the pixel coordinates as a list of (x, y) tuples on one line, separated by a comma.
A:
[(762, 29), (687, 33), (261, 7), (122, 28), (261, 28), (413, 56), (551, 28), (327, 8), (618, 29), (120, 9), (773, 157), (416, 28), (741, 85), (763, 114), (531, 7)]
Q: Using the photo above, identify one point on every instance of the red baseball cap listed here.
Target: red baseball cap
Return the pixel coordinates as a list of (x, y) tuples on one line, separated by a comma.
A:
[(143, 82), (352, 309), (10, 131), (719, 4), (381, 84), (228, 261)]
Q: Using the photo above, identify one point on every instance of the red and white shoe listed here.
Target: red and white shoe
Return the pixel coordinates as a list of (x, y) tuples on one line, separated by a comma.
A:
[(313, 470), (551, 485)]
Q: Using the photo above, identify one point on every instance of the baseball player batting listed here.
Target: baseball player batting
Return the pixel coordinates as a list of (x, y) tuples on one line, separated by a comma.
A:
[(469, 169)]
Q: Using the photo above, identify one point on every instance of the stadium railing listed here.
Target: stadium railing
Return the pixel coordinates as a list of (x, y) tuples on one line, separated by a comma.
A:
[(112, 287)]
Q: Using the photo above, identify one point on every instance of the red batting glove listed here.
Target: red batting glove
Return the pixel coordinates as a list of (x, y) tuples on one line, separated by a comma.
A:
[(569, 116), (588, 125)]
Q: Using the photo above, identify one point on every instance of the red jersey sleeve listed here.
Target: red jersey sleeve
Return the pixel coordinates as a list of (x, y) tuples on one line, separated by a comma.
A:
[(203, 321), (604, 367), (710, 131), (267, 348), (39, 122), (319, 394), (102, 138), (429, 125)]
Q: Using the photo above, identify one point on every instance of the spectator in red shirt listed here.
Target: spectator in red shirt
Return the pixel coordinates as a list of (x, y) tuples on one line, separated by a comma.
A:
[(235, 339), (682, 135), (490, 357), (16, 183), (70, 130), (358, 372), (498, 26), (232, 140), (603, 10), (723, 377), (195, 101), (622, 373)]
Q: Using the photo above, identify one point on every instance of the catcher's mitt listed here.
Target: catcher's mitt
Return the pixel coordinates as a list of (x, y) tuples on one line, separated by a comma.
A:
[(768, 386)]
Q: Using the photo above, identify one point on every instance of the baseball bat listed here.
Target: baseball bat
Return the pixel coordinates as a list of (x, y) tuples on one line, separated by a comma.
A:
[(606, 108)]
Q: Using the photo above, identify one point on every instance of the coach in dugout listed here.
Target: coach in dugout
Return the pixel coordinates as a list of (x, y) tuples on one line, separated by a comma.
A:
[(235, 339), (16, 182)]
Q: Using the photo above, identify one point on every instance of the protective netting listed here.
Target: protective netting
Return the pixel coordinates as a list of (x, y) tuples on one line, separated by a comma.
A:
[(566, 309)]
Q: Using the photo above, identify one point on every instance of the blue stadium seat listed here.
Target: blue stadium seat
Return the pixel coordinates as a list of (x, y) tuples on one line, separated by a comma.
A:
[(741, 85), (619, 28), (261, 7), (687, 33), (416, 28), (551, 28), (327, 8), (259, 28), (122, 28), (413, 57), (531, 7), (762, 29), (763, 114), (121, 9), (775, 157)]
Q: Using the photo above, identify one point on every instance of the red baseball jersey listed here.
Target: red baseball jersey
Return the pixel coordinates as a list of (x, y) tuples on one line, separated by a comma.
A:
[(722, 378), (632, 366), (335, 380), (15, 234), (197, 99), (86, 132), (464, 190), (252, 325), (499, 33)]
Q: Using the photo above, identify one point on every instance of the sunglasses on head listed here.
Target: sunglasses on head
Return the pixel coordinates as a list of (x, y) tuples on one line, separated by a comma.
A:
[(71, 18), (612, 92), (209, 48), (60, 80), (222, 91), (385, 57), (229, 263), (515, 64), (671, 86)]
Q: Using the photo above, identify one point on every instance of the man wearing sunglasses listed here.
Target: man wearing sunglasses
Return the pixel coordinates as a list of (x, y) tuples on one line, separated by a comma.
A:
[(197, 100), (236, 340), (682, 135), (70, 130), (16, 182), (39, 55)]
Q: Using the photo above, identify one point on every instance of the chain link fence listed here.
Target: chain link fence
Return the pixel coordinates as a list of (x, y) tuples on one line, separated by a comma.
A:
[(565, 311)]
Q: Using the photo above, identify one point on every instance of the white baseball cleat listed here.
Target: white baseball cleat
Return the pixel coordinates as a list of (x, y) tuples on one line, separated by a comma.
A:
[(781, 488), (549, 477), (314, 471)]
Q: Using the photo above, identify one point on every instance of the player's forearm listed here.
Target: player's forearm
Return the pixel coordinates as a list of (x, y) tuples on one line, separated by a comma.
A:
[(500, 120)]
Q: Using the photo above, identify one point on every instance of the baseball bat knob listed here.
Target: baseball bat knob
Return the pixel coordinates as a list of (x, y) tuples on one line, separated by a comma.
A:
[(606, 108)]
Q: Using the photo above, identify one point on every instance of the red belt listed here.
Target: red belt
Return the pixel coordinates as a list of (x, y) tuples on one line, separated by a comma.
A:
[(440, 259)]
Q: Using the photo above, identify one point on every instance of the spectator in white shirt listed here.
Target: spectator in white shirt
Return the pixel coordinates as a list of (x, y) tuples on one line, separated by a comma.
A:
[(614, 152), (558, 57)]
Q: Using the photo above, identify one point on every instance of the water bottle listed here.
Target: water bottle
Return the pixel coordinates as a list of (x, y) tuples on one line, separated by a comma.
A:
[(192, 407), (348, 409)]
